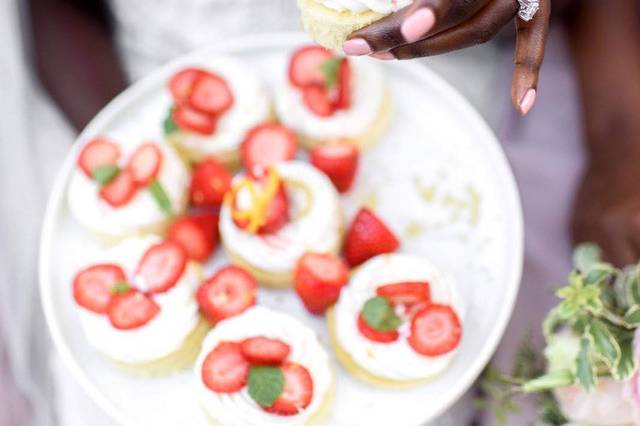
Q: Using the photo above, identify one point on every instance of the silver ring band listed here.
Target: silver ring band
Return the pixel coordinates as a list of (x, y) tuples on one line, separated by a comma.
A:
[(528, 9)]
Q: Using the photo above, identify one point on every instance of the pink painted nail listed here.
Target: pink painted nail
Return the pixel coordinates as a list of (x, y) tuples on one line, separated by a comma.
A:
[(385, 56), (356, 47), (527, 102), (416, 25)]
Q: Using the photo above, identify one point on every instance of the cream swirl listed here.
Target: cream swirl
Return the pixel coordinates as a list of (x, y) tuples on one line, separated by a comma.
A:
[(315, 223), (161, 336), (397, 360), (239, 409), (359, 6)]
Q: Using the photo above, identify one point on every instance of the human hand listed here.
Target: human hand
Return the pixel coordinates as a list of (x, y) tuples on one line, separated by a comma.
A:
[(433, 27)]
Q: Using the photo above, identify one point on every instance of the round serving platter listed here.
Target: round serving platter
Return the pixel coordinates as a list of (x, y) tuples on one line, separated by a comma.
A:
[(439, 178)]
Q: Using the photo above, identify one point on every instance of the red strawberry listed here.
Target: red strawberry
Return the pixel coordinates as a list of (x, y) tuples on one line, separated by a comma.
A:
[(305, 66), (297, 393), (435, 330), (98, 152), (211, 95), (344, 85), (225, 369), (338, 160), (318, 100), (161, 266), (405, 293), (208, 221), (319, 279), (265, 351), (145, 164), (367, 237), (190, 119), (195, 235), (92, 286), (372, 334), (268, 144), (120, 190), (181, 84), (131, 310), (229, 292), (209, 182)]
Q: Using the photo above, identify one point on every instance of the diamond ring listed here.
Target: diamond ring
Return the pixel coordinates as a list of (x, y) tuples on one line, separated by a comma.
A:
[(528, 9)]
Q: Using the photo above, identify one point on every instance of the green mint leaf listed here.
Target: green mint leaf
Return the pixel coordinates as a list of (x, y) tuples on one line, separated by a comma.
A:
[(105, 174), (120, 288), (556, 379), (330, 69), (626, 365), (585, 256), (604, 342), (585, 369), (379, 314), (265, 384), (169, 125), (160, 195), (552, 322), (632, 285), (632, 316)]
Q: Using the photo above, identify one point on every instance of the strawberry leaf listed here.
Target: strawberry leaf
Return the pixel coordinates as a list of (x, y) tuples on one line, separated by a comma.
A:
[(105, 174), (265, 384), (379, 314), (160, 196)]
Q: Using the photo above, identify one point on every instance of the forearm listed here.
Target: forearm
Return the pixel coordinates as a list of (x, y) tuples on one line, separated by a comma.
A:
[(74, 56)]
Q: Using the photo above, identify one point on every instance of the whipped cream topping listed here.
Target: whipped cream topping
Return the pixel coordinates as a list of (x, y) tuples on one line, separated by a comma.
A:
[(238, 408), (368, 95), (142, 211), (161, 336), (359, 6), (315, 222), (397, 360), (250, 107)]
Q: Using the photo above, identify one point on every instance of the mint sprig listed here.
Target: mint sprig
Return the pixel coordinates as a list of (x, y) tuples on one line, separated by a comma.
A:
[(161, 197), (105, 174), (122, 287), (330, 69), (379, 315), (265, 384), (169, 125)]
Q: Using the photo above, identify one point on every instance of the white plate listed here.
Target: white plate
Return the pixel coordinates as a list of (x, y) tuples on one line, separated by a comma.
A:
[(439, 178)]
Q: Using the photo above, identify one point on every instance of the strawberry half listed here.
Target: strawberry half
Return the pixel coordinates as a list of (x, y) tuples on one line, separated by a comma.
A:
[(98, 152), (231, 291), (338, 160), (318, 280), (161, 266), (225, 369), (318, 100), (209, 182), (268, 144), (305, 66), (372, 334), (405, 293), (435, 330), (131, 310), (265, 351), (120, 190), (92, 286), (145, 164), (211, 95), (181, 84), (344, 85), (196, 235), (367, 237), (190, 119), (297, 393)]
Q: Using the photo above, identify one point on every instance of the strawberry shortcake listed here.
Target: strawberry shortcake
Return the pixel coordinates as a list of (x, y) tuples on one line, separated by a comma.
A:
[(137, 306), (213, 106), (125, 188), (329, 97), (264, 368), (397, 323), (272, 216)]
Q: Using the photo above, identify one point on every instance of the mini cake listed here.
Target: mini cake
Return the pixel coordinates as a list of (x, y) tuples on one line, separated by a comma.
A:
[(327, 97), (263, 368), (122, 189), (396, 323), (330, 22), (269, 221), (213, 107), (138, 306)]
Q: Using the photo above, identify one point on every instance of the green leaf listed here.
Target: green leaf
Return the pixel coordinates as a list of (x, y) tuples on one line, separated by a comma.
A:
[(552, 322), (265, 384), (556, 379), (585, 369), (159, 194), (632, 285), (120, 288), (169, 125), (626, 365), (105, 174), (585, 256), (632, 316), (330, 69), (379, 314), (604, 342)]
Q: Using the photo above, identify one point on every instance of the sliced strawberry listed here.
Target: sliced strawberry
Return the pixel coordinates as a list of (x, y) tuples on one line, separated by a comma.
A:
[(305, 66), (344, 85), (318, 100), (297, 393), (264, 351), (225, 369), (435, 330), (161, 266), (208, 221), (145, 164), (211, 95), (195, 236), (405, 293), (181, 84), (268, 144), (338, 160), (372, 334), (131, 310), (209, 182), (120, 190), (318, 280), (192, 120), (92, 286), (231, 291), (98, 152), (367, 237)]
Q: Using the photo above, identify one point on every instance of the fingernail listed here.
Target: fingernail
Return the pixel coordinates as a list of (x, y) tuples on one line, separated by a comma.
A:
[(416, 25), (527, 101), (385, 56), (356, 47)]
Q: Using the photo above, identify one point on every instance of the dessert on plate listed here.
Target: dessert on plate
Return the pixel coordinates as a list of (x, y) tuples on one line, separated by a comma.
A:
[(213, 106), (125, 188), (137, 306), (330, 22), (263, 368), (272, 216), (397, 323), (327, 97)]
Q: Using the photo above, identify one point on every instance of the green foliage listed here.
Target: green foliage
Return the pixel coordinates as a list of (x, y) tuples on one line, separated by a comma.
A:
[(265, 384), (160, 197), (105, 174), (379, 314), (169, 125), (330, 69)]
